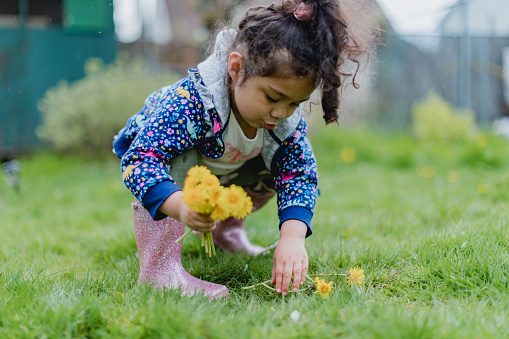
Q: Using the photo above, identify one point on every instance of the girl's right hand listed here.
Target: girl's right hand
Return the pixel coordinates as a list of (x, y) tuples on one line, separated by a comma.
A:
[(175, 208), (196, 221)]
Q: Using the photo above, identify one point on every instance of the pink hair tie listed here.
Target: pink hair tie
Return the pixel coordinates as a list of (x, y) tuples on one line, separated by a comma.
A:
[(303, 12)]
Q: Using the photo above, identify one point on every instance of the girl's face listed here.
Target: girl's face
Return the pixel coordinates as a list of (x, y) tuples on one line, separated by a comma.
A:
[(261, 102)]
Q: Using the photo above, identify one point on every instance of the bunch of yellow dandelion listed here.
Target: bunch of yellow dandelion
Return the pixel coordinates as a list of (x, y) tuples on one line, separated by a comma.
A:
[(322, 287), (201, 189), (355, 276), (204, 194)]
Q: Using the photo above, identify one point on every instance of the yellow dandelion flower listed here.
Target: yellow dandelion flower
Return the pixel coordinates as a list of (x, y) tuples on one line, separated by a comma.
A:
[(348, 154), (426, 171), (200, 171), (355, 276), (216, 193), (219, 213), (197, 201), (453, 176), (323, 288), (482, 140), (232, 200), (482, 189), (190, 182), (210, 183), (203, 193), (195, 176), (245, 208)]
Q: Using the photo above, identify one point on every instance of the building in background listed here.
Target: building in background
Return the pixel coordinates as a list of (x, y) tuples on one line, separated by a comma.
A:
[(464, 63), (166, 33), (478, 32), (170, 32), (41, 43)]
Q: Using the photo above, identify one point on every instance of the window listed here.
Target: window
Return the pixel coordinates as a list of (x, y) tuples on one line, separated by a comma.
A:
[(40, 13), (505, 68), (50, 9)]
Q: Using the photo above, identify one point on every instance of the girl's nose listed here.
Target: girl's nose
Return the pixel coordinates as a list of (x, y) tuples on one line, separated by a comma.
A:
[(279, 112)]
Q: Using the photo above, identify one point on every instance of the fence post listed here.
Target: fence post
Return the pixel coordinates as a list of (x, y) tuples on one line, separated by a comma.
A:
[(465, 59)]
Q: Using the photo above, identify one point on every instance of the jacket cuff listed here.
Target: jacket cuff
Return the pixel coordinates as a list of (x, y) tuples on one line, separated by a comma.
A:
[(121, 144), (156, 196), (297, 213)]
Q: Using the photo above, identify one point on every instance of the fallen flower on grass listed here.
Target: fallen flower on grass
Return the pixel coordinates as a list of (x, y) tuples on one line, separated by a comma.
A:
[(322, 287), (348, 154), (482, 189), (355, 276)]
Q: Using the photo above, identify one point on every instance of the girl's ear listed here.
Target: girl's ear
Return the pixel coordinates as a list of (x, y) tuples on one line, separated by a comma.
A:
[(235, 66)]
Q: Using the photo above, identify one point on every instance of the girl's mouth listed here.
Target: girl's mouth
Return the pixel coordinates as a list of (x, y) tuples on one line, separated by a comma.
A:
[(268, 126)]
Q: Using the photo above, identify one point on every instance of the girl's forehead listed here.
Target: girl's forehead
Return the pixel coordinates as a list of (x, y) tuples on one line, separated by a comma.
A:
[(294, 88)]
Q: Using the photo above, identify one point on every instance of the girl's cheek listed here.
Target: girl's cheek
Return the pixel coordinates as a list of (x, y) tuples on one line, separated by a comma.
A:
[(290, 112)]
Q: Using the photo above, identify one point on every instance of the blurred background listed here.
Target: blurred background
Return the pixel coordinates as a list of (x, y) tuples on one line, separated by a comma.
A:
[(73, 71)]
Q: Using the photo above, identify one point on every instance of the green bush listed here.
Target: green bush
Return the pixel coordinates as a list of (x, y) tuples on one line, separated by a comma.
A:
[(83, 116), (488, 150), (436, 120)]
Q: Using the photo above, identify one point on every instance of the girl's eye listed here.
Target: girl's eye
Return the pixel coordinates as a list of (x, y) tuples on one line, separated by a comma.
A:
[(270, 99)]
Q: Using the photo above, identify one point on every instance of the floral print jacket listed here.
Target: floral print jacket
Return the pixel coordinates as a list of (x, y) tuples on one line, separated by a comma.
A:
[(193, 113)]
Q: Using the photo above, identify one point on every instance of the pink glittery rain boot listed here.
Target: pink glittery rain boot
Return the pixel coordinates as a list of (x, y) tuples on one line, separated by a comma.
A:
[(230, 234), (160, 257)]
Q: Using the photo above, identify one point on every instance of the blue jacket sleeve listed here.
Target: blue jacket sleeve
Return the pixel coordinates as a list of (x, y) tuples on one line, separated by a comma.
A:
[(126, 135), (172, 126), (296, 178)]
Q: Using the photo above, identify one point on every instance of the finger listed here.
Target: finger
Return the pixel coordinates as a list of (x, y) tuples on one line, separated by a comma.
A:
[(273, 275), (287, 278), (304, 272), (297, 276), (206, 226), (279, 276), (201, 224), (205, 218), (203, 228)]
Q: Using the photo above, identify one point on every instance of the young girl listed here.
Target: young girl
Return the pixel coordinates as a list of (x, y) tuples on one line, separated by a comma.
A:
[(239, 115)]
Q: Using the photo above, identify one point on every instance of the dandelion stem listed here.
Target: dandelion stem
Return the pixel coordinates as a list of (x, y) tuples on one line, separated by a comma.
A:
[(270, 288), (326, 275), (212, 245), (253, 286), (182, 237)]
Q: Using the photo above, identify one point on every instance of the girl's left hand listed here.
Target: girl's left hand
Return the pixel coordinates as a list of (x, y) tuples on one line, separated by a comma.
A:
[(290, 257)]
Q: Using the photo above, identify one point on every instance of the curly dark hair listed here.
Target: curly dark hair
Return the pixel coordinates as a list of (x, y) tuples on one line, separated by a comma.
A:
[(274, 42)]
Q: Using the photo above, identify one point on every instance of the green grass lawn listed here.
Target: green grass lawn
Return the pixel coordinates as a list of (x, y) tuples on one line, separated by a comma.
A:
[(427, 223)]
